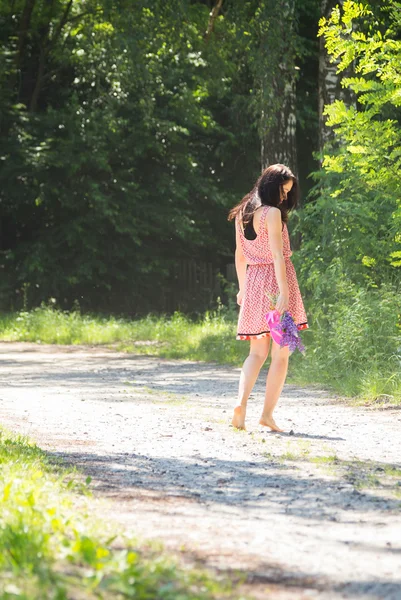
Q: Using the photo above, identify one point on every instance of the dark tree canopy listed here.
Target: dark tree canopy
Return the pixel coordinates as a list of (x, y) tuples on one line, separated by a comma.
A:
[(129, 129)]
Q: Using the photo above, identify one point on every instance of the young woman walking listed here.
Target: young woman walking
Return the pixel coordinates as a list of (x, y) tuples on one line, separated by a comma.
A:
[(265, 271)]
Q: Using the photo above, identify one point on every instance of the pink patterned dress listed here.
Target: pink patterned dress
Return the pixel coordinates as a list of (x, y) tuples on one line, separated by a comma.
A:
[(260, 282)]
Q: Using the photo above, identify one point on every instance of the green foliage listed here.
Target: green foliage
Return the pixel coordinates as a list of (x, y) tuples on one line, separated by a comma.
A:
[(349, 259), (357, 213), (126, 134), (51, 548), (122, 131), (355, 344)]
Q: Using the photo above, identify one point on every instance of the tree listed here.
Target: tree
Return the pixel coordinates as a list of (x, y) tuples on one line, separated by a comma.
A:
[(128, 130), (121, 144), (352, 226)]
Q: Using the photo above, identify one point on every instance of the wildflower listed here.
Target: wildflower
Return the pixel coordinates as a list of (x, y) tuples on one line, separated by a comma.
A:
[(284, 330)]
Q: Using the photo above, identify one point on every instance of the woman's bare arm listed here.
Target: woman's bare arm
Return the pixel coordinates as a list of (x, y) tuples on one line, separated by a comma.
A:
[(274, 229)]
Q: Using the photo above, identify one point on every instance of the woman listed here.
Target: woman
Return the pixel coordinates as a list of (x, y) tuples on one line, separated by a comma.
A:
[(265, 272)]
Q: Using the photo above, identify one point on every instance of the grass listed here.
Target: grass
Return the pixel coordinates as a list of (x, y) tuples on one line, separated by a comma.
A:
[(210, 338), (52, 547), (167, 398), (325, 460), (362, 474)]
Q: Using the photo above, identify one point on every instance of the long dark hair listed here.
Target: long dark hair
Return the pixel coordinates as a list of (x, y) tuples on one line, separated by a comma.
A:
[(267, 191)]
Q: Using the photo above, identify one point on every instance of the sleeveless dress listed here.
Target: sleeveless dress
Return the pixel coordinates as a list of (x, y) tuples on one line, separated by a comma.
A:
[(261, 282)]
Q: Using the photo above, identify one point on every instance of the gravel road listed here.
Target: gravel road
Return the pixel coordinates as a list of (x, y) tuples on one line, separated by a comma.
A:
[(312, 513)]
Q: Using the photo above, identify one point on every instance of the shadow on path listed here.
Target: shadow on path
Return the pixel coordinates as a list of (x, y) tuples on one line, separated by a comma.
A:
[(230, 483), (267, 489)]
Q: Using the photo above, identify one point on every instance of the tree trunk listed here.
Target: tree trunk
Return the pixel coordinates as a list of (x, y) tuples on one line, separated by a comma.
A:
[(24, 28), (278, 145), (278, 120), (213, 16), (47, 44), (33, 105)]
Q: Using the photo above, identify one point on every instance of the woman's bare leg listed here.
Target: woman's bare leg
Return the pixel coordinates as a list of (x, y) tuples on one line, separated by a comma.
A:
[(258, 353), (274, 384)]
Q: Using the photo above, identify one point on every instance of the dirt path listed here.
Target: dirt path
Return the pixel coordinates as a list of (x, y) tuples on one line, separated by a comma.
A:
[(311, 514)]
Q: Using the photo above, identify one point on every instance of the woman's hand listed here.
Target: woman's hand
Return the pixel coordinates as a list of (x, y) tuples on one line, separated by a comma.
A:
[(240, 296), (282, 303)]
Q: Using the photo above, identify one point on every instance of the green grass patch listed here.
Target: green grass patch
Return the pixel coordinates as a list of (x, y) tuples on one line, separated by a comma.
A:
[(211, 337), (52, 547), (352, 367), (360, 474), (324, 460), (354, 345)]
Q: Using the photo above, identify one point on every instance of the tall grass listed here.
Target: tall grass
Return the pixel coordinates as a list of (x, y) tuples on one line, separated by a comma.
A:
[(52, 326), (209, 338), (51, 548), (355, 344)]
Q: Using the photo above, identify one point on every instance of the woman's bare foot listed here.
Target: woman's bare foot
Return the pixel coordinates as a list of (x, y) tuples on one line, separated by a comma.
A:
[(239, 417), (270, 422)]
